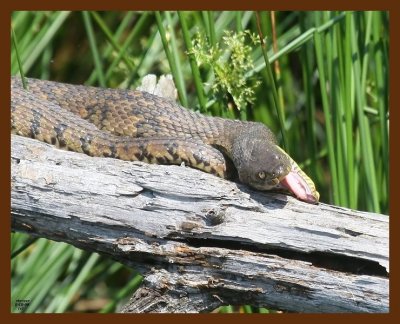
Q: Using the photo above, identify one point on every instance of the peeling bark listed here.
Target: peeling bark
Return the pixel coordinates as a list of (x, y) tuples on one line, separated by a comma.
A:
[(201, 241)]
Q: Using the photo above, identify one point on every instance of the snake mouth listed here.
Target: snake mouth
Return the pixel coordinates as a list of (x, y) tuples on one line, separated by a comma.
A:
[(273, 182), (300, 186)]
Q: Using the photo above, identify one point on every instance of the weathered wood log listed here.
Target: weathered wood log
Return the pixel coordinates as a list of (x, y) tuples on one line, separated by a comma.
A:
[(201, 241)]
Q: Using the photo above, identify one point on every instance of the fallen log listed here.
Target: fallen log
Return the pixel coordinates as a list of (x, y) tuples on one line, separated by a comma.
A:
[(201, 241)]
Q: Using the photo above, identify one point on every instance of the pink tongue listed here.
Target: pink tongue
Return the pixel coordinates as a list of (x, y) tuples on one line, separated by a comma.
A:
[(296, 184)]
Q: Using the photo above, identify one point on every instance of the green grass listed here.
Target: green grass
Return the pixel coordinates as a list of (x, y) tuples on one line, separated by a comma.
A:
[(322, 87)]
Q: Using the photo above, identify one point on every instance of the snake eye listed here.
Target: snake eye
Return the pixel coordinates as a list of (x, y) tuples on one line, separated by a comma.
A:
[(261, 175)]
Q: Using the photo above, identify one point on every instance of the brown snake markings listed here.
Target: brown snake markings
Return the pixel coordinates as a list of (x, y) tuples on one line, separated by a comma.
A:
[(133, 125)]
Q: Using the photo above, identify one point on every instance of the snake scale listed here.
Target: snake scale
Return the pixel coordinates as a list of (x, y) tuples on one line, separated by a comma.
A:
[(138, 126)]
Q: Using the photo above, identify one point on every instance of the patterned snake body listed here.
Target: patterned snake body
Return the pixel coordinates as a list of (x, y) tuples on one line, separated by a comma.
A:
[(134, 125)]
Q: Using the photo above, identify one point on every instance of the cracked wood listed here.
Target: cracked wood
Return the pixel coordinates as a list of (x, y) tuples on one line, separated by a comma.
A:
[(199, 240)]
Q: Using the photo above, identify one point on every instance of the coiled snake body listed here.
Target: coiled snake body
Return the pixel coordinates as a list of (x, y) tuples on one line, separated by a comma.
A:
[(134, 125)]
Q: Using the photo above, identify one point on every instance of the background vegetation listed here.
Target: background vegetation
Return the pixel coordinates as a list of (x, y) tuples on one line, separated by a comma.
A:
[(324, 92)]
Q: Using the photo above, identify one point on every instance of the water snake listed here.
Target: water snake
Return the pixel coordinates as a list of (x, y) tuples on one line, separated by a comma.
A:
[(133, 125)]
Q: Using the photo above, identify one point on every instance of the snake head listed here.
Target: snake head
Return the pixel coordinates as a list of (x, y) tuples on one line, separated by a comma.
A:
[(263, 165), (260, 162)]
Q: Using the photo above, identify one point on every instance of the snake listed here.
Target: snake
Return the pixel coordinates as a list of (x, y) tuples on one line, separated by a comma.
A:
[(134, 125)]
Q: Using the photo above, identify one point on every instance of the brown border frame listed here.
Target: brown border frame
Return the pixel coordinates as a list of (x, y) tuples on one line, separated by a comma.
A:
[(9, 6)]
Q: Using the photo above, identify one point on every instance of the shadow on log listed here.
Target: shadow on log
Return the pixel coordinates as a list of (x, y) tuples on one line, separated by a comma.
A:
[(201, 241)]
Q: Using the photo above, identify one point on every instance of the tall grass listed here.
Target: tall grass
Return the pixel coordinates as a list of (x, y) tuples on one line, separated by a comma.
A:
[(323, 89)]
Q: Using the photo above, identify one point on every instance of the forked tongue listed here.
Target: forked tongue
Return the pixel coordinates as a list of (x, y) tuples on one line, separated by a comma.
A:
[(295, 183)]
